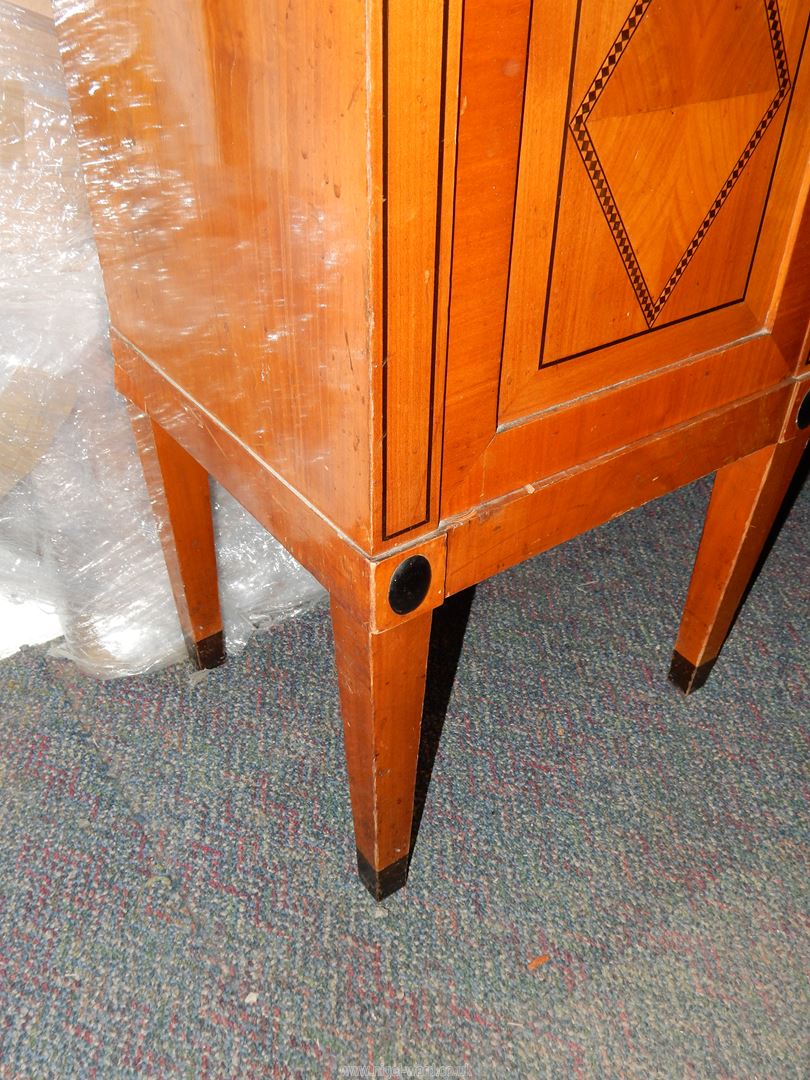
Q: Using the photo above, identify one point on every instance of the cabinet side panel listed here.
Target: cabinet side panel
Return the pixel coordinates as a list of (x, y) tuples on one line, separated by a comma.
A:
[(226, 153)]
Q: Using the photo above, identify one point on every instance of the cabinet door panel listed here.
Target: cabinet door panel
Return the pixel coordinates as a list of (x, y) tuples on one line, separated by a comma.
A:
[(656, 182)]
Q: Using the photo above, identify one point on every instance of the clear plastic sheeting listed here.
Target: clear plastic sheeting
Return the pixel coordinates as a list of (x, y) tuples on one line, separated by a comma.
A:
[(77, 531)]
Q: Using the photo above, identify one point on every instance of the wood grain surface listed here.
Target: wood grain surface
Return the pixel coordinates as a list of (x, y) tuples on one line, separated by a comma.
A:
[(452, 279)]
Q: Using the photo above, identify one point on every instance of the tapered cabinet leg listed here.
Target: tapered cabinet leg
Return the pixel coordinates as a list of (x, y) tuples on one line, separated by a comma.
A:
[(744, 503), (382, 686), (179, 490)]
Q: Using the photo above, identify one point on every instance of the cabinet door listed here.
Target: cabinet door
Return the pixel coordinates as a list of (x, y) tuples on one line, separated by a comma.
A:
[(629, 181)]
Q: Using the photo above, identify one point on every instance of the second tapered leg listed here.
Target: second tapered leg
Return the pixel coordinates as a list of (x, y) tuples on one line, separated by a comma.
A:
[(746, 498), (179, 490)]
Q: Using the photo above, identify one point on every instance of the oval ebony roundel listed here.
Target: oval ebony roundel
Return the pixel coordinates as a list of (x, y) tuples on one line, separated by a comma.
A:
[(409, 584)]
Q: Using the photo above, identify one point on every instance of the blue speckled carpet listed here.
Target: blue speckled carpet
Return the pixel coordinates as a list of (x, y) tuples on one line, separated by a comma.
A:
[(178, 895)]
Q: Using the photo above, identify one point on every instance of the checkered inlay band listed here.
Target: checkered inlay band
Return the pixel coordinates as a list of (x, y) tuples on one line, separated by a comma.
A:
[(651, 305)]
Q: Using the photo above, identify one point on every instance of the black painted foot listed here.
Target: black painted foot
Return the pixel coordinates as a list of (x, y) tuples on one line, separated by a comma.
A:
[(381, 883), (210, 652), (686, 676)]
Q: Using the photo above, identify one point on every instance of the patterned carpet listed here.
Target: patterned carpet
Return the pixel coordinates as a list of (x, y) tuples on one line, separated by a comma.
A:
[(178, 895)]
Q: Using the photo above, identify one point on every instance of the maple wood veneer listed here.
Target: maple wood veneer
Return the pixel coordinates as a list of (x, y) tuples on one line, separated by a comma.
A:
[(433, 286)]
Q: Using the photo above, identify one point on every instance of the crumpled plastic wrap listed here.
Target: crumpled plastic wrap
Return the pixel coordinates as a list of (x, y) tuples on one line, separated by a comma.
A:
[(76, 526)]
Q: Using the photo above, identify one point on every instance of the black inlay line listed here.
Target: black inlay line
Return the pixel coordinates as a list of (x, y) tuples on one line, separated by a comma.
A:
[(778, 152), (452, 238), (436, 280), (385, 270), (437, 261), (650, 306), (560, 178), (646, 332), (515, 199), (405, 529)]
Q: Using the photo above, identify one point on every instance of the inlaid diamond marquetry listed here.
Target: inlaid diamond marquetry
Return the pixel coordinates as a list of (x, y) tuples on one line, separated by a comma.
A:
[(692, 128)]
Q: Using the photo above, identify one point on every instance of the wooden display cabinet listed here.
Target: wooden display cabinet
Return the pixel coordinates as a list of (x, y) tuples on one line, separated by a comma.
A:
[(433, 286)]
